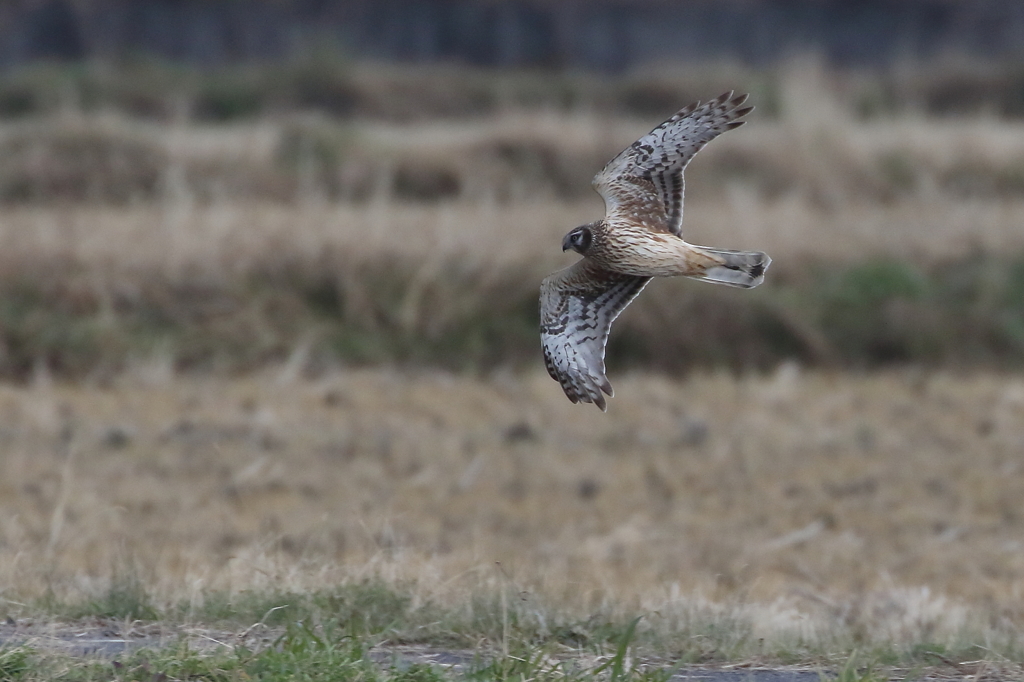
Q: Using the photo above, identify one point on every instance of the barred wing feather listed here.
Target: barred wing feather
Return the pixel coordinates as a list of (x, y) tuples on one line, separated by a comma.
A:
[(577, 308), (645, 182)]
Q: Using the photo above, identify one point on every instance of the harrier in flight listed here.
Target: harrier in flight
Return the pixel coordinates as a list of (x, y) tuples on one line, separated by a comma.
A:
[(640, 237)]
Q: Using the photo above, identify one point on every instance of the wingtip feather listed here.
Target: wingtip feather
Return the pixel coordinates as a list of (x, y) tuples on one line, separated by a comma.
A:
[(738, 99), (687, 110)]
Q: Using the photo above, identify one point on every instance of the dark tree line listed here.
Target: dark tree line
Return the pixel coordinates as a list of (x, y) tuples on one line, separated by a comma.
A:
[(590, 34)]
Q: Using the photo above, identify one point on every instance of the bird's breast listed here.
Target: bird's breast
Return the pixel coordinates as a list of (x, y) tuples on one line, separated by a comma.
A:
[(643, 252)]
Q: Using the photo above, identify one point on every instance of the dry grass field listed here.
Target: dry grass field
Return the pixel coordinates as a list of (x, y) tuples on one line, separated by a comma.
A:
[(884, 505), (237, 282), (293, 352)]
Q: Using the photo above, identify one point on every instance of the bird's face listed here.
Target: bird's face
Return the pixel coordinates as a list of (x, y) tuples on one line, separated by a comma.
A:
[(579, 240)]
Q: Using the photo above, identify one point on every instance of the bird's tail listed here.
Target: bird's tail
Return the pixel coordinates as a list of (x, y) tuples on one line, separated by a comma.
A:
[(744, 269)]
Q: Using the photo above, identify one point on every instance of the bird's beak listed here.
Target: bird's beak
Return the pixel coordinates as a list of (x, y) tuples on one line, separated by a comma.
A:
[(566, 244)]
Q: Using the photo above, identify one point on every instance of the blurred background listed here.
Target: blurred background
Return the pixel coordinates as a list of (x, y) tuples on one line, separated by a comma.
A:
[(269, 275), (226, 182)]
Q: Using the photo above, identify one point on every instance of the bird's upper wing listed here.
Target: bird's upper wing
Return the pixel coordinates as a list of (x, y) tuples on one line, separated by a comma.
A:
[(577, 307), (645, 181)]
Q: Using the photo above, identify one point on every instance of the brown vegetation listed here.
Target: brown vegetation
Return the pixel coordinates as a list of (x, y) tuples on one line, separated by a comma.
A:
[(353, 240), (213, 287), (884, 505)]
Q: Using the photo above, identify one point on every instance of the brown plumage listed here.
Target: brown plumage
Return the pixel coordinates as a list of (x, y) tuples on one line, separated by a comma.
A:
[(640, 237)]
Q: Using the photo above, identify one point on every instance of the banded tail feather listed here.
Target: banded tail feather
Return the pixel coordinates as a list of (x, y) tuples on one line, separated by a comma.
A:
[(743, 269)]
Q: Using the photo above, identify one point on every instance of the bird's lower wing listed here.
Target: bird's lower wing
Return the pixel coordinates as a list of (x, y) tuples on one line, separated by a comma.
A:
[(577, 307)]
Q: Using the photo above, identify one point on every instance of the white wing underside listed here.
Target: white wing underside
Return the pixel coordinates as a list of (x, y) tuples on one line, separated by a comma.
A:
[(645, 182), (578, 305)]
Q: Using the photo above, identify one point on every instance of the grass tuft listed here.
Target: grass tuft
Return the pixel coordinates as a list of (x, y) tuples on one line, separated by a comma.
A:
[(15, 662), (126, 598)]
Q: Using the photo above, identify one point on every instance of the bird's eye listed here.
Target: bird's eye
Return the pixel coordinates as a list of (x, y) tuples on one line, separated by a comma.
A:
[(577, 238)]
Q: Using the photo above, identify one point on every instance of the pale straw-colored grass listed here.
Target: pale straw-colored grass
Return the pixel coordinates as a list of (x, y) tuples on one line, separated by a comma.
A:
[(232, 239), (881, 506)]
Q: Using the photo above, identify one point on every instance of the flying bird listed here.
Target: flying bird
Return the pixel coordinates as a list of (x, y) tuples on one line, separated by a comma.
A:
[(640, 237)]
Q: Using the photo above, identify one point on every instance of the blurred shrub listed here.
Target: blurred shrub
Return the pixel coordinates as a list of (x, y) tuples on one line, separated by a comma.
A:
[(328, 83), (474, 316), (425, 182), (313, 153), (974, 178), (321, 85), (46, 164), (963, 90), (106, 159), (538, 165), (229, 96), (16, 101), (877, 312), (37, 89), (899, 172)]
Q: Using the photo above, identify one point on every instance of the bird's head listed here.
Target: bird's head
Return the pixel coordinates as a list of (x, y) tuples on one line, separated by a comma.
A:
[(579, 240)]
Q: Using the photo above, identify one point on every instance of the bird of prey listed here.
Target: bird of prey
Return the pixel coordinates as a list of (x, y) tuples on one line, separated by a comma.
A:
[(640, 237)]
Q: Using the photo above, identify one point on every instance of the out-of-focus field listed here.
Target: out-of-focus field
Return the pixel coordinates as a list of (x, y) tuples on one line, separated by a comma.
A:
[(887, 504), (420, 237), (284, 350)]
